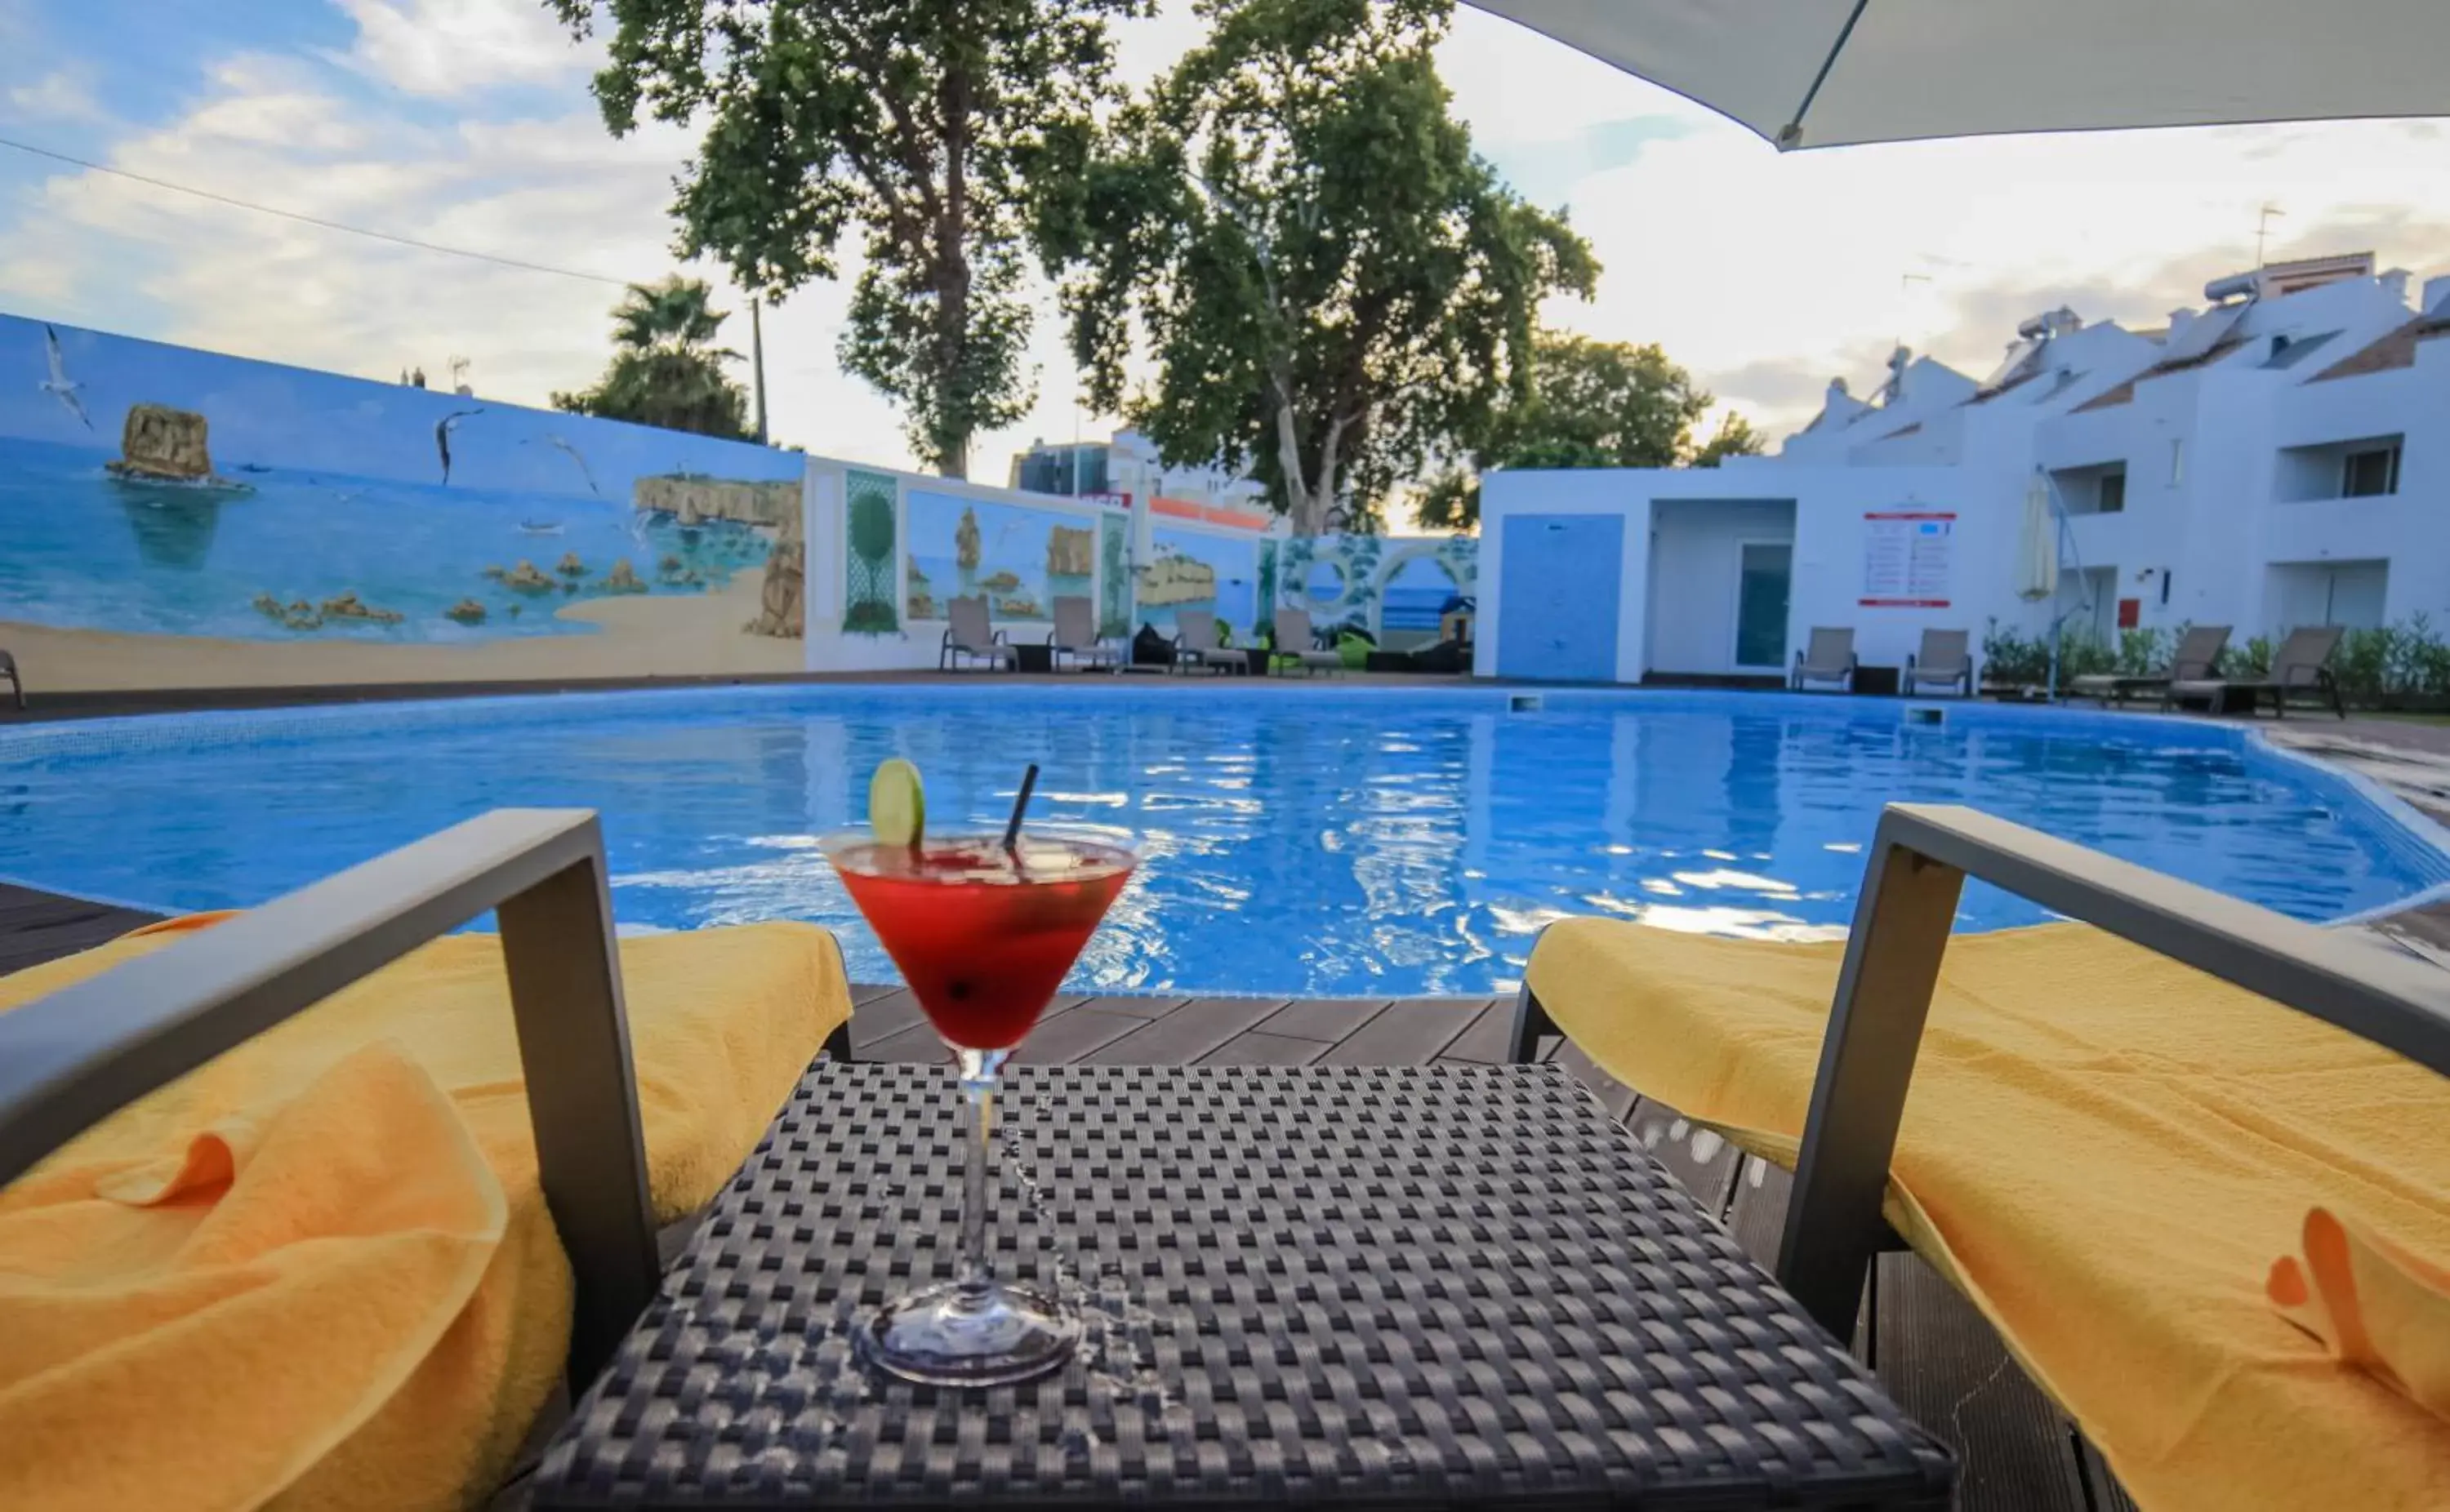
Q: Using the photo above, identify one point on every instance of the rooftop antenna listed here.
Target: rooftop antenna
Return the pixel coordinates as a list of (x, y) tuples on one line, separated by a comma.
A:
[(2262, 231), (459, 376)]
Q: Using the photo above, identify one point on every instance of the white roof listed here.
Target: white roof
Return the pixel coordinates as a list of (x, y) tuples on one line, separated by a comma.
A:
[(1915, 68)]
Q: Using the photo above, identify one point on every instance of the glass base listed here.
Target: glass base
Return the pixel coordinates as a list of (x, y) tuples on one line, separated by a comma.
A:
[(961, 1336)]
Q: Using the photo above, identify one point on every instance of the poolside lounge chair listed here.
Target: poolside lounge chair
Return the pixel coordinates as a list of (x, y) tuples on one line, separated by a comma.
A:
[(1195, 644), (1297, 646), (2105, 1133), (1943, 661), (967, 639), (2197, 657), (1830, 658), (349, 1199), (16, 683), (1076, 635), (2302, 665)]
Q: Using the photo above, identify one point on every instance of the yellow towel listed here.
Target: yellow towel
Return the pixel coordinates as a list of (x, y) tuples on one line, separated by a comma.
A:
[(2106, 1151), (2373, 1303), (317, 1271)]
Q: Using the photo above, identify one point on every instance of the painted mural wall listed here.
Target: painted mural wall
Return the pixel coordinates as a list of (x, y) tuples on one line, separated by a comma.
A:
[(175, 518), (1200, 569), (1395, 586), (1018, 559)]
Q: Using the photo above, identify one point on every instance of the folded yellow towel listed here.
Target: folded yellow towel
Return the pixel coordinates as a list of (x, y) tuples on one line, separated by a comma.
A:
[(2106, 1151), (318, 1270), (2376, 1305)]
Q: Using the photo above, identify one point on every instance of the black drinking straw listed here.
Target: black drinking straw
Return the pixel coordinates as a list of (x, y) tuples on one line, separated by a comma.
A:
[(1019, 804)]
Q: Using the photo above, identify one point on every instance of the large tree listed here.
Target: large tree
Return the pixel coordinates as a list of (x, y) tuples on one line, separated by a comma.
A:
[(1330, 284), (666, 368), (1590, 404), (909, 120)]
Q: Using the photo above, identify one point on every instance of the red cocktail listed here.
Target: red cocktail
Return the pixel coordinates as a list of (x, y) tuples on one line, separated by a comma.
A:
[(983, 935), (983, 932)]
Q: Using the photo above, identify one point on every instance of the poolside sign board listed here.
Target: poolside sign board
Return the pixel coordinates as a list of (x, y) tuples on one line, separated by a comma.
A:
[(1907, 558)]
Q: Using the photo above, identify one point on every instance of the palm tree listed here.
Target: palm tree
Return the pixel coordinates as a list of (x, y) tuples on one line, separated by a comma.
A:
[(666, 370)]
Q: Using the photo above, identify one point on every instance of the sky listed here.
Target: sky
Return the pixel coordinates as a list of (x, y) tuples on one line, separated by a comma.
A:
[(468, 123)]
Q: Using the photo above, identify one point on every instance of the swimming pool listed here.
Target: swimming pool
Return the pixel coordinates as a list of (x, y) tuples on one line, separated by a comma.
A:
[(1333, 841)]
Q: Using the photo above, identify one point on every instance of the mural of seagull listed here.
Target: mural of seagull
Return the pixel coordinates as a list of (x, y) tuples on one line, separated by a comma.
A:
[(59, 385), (584, 471), (442, 429)]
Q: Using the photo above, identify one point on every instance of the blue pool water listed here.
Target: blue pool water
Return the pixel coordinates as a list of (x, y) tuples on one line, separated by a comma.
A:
[(1341, 841)]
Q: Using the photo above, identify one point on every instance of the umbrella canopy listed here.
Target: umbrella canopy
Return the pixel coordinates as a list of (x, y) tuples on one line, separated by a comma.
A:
[(2037, 549), (1827, 72)]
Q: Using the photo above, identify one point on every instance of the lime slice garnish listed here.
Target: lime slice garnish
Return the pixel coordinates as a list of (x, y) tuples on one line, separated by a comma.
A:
[(897, 803)]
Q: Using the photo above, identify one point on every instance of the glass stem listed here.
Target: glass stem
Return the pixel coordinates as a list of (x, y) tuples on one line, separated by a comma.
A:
[(977, 1070)]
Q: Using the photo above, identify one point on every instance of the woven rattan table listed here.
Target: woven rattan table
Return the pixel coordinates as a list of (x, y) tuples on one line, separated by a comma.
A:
[(1405, 1286)]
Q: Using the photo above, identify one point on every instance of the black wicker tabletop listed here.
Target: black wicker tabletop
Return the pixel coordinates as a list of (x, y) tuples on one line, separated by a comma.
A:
[(1419, 1286)]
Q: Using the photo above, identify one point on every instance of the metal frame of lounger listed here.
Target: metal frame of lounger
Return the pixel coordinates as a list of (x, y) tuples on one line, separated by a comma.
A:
[(72, 1059), (1921, 856)]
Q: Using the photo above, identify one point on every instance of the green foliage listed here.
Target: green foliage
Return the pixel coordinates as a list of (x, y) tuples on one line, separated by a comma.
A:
[(666, 368), (912, 121), (2255, 661), (1331, 284), (2389, 665), (2394, 663), (1734, 438), (867, 572), (1591, 404)]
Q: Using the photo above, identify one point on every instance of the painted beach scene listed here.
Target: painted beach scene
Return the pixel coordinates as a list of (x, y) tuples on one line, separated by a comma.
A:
[(184, 509), (1194, 569), (1016, 558)]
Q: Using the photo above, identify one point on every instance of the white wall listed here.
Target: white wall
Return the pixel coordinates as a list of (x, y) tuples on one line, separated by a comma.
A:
[(1696, 567)]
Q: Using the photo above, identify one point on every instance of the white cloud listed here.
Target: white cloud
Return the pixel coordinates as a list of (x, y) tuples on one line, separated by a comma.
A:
[(455, 48), (61, 97)]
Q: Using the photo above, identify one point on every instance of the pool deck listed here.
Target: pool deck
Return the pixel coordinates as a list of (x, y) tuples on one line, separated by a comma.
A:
[(1936, 1355)]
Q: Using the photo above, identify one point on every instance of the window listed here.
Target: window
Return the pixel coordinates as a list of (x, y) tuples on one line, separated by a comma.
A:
[(2370, 473), (2114, 493)]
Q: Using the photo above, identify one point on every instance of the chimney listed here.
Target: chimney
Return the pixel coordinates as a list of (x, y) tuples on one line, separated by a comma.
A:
[(2179, 320), (2394, 285), (2436, 296)]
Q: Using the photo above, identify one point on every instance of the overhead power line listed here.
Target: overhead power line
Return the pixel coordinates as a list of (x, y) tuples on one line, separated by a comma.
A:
[(314, 220)]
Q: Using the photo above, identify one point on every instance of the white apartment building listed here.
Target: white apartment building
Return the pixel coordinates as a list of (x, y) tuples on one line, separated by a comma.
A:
[(2278, 458)]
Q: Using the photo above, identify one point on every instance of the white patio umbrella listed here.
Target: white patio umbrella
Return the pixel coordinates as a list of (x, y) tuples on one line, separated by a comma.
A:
[(2037, 561), (1815, 73)]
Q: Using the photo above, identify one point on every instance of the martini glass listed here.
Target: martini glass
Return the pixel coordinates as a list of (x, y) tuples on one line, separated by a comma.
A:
[(984, 934)]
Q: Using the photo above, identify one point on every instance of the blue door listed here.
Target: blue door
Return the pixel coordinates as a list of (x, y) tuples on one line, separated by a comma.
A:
[(1557, 612)]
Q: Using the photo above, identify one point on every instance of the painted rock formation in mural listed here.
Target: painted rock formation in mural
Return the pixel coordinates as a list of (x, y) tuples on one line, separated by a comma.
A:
[(1177, 580), (781, 610), (623, 578), (691, 498), (1071, 553), (162, 445)]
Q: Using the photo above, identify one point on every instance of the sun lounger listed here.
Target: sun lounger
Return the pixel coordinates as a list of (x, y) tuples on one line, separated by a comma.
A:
[(2197, 657), (1195, 644), (1297, 647), (1942, 662), (338, 1203), (1830, 658), (968, 641), (1076, 635), (2105, 1133), (16, 683), (2300, 665)]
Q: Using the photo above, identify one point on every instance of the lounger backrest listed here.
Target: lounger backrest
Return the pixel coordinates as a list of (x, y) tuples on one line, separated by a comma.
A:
[(2198, 652), (1293, 630), (1198, 627), (1942, 651), (969, 624), (1830, 648), (1074, 630), (2304, 653)]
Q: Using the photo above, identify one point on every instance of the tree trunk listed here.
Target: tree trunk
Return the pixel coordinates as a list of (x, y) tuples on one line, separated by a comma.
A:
[(1305, 513), (953, 278)]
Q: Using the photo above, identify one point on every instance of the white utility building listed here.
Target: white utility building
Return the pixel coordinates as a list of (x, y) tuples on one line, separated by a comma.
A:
[(2280, 459)]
